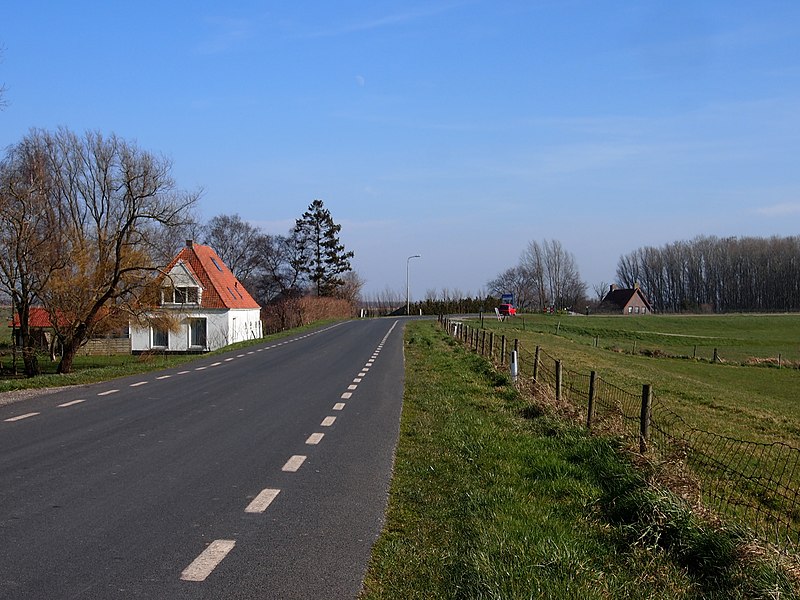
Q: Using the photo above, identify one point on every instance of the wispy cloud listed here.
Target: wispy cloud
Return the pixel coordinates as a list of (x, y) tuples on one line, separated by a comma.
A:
[(782, 209), (399, 18)]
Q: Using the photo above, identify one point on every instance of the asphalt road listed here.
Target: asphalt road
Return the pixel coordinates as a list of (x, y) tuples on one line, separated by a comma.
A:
[(260, 473)]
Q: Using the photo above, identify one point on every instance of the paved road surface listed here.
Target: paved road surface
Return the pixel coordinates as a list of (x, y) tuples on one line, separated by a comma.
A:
[(261, 473)]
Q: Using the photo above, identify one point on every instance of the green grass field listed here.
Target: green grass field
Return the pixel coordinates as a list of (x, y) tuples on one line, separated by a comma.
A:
[(753, 485), (738, 338), (494, 499), (730, 398)]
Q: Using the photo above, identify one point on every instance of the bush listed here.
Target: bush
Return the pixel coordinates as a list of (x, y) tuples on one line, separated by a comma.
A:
[(296, 312)]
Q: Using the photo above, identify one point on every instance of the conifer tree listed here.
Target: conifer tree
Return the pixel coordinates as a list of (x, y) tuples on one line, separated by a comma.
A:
[(317, 236)]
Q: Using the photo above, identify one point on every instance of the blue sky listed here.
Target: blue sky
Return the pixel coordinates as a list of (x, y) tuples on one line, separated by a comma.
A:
[(458, 130)]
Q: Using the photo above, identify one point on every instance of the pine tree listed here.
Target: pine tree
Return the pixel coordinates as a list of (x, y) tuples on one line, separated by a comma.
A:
[(317, 236)]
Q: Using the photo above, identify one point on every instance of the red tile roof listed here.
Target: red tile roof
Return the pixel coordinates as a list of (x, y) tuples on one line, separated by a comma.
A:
[(38, 317), (221, 289)]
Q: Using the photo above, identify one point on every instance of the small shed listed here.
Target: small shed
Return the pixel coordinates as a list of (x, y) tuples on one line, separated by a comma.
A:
[(627, 301)]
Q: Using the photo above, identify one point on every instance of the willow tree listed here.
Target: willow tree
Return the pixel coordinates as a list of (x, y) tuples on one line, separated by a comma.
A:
[(113, 200), (325, 258)]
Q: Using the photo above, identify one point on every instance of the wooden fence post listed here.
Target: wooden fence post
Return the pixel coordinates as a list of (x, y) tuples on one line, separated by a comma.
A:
[(592, 391), (536, 365), (644, 418), (491, 345), (483, 342), (558, 381), (502, 349)]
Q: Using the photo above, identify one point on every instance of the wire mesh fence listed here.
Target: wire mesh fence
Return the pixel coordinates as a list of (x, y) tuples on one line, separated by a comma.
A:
[(750, 484)]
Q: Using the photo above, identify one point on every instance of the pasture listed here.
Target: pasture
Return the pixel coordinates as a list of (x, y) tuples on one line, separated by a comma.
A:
[(743, 395)]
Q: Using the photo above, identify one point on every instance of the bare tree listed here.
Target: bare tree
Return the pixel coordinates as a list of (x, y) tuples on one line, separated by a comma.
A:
[(113, 199), (351, 287), (600, 290), (30, 245), (517, 281), (235, 241), (3, 102), (553, 274)]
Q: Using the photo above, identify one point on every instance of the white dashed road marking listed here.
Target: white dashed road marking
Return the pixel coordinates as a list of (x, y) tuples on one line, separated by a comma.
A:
[(20, 417), (352, 387), (347, 395), (203, 565), (183, 372), (294, 463), (314, 439), (106, 393), (138, 383), (338, 406), (164, 377), (73, 403), (261, 502), (328, 421), (201, 368)]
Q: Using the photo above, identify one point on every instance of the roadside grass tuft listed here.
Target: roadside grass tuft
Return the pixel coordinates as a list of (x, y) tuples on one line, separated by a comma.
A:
[(493, 498)]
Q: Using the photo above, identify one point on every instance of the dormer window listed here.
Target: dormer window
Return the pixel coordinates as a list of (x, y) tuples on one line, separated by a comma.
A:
[(180, 295)]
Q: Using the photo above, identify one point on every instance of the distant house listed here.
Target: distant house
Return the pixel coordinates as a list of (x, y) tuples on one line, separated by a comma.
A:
[(43, 335), (202, 307), (627, 301), (42, 331)]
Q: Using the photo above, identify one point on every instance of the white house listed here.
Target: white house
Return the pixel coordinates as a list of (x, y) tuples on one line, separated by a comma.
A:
[(205, 301)]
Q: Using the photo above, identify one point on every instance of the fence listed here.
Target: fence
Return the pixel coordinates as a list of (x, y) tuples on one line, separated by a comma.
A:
[(752, 484), (667, 345)]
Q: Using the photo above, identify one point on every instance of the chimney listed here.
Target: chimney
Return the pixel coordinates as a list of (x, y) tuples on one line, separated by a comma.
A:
[(189, 243), (612, 287)]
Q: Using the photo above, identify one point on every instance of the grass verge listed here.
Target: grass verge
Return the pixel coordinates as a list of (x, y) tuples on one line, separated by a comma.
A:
[(91, 369), (492, 498)]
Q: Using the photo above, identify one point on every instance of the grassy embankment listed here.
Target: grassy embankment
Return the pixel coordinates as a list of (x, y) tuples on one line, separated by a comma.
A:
[(492, 498)]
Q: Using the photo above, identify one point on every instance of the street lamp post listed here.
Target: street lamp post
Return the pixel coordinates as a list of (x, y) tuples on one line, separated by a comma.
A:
[(408, 294)]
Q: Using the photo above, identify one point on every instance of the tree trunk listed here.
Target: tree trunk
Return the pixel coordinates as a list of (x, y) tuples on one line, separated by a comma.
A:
[(30, 360), (69, 350)]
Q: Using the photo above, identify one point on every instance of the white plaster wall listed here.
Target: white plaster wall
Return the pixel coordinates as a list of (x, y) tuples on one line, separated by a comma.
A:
[(244, 324), (217, 332)]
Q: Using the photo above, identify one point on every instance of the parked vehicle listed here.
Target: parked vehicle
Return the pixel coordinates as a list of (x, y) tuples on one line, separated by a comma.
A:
[(507, 310)]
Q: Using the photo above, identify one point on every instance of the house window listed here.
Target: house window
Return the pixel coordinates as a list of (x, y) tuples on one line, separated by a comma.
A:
[(160, 337), (630, 309), (636, 310), (180, 295), (197, 333)]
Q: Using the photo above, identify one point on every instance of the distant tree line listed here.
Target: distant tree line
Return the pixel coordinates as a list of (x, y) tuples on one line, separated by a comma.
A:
[(717, 274), (546, 276)]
